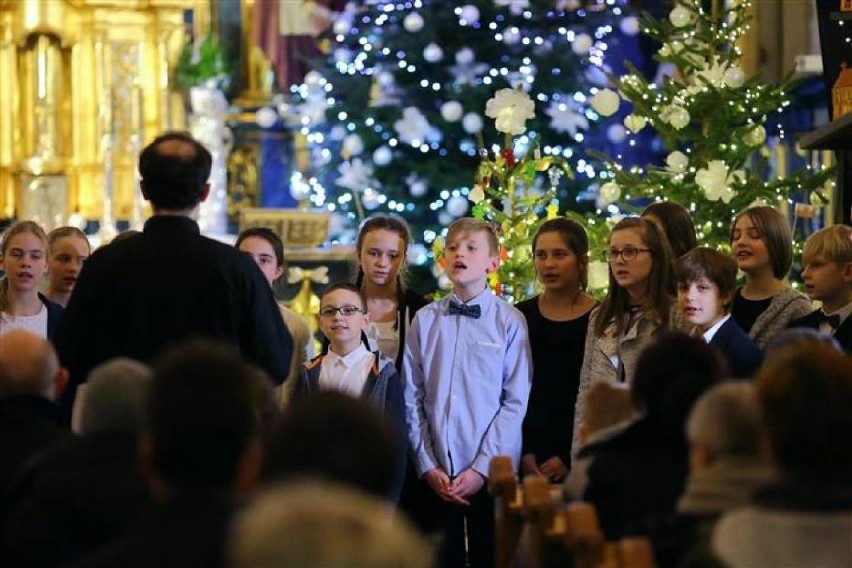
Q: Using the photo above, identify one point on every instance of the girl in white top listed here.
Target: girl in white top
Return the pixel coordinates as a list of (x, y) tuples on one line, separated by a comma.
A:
[(381, 248), (24, 258)]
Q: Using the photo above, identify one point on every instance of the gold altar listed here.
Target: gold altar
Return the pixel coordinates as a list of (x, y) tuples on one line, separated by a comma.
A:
[(83, 84)]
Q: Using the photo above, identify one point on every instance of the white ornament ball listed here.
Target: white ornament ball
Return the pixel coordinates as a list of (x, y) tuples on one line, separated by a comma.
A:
[(465, 56), (353, 145), (734, 77), (337, 133), (616, 133), (635, 122), (610, 192), (677, 161), (680, 17), (433, 53), (451, 111), (457, 206), (300, 191), (472, 123), (511, 35), (342, 26), (678, 117), (444, 218), (313, 78), (605, 102), (629, 25), (470, 14), (418, 188), (382, 156), (266, 117), (370, 198), (582, 44), (413, 22)]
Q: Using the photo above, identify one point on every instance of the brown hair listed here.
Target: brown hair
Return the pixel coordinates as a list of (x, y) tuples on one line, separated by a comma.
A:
[(805, 392), (393, 224), (676, 223), (471, 225), (18, 228), (62, 232), (574, 236), (705, 262), (775, 232), (346, 286), (661, 285)]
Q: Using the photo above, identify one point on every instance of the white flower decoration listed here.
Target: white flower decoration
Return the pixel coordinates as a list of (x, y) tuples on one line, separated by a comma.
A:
[(677, 162), (477, 194), (716, 182), (610, 192), (566, 117), (675, 115), (510, 110), (413, 128), (606, 102), (355, 175), (635, 122)]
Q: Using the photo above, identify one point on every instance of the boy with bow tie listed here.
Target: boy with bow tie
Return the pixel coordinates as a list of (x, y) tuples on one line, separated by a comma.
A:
[(467, 374), (827, 257)]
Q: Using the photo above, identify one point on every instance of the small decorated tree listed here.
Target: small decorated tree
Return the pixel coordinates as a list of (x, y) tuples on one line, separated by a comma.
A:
[(712, 119), (510, 193)]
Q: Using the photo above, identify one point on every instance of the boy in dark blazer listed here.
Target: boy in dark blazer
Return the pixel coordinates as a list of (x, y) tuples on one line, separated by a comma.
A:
[(827, 258), (706, 282)]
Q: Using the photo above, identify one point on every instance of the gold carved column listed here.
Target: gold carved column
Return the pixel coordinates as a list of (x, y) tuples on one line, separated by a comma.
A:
[(85, 83)]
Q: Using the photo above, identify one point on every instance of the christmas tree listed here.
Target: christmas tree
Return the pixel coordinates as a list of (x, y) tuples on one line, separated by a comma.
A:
[(395, 112), (712, 119)]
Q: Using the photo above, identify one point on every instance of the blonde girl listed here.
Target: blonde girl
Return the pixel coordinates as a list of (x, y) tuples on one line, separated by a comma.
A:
[(24, 259), (68, 249), (761, 243)]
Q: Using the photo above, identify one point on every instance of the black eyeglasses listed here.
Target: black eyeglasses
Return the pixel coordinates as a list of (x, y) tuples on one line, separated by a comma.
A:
[(329, 311), (627, 254)]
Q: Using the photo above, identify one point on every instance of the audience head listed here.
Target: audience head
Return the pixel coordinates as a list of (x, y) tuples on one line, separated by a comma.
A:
[(381, 247), (113, 398), (202, 422), (672, 372), (706, 284), (607, 405), (676, 223), (805, 393), (561, 252), (724, 423), (29, 366), (124, 235), (68, 250), (24, 256), (647, 272), (761, 238), (264, 246), (336, 437), (315, 525), (174, 170), (827, 259), (796, 336)]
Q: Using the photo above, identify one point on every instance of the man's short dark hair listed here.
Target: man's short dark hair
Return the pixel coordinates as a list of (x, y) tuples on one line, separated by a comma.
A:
[(175, 179), (201, 414)]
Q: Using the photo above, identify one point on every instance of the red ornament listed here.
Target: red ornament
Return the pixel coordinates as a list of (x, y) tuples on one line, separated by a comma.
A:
[(509, 157)]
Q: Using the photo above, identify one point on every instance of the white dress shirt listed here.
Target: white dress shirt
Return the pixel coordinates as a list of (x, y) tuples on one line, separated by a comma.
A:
[(346, 374)]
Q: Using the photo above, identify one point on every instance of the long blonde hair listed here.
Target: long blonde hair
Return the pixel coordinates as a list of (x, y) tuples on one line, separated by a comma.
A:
[(18, 228)]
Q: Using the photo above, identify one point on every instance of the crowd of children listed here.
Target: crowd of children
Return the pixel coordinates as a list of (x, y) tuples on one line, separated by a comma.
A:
[(469, 377)]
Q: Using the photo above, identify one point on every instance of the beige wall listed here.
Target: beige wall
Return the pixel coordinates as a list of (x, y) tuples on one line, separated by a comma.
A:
[(781, 30)]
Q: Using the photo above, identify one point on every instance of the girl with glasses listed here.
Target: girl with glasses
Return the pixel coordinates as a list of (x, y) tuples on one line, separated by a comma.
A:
[(639, 304)]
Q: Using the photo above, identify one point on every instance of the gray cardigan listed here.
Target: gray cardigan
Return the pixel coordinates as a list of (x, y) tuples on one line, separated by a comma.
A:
[(786, 305)]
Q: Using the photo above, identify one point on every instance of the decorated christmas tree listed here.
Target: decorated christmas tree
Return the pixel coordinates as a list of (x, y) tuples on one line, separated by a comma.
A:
[(395, 113), (716, 124)]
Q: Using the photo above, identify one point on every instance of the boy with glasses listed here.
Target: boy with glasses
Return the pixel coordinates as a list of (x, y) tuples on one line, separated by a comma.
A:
[(350, 367)]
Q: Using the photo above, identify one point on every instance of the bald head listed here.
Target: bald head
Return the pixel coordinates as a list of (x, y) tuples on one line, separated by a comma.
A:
[(28, 365)]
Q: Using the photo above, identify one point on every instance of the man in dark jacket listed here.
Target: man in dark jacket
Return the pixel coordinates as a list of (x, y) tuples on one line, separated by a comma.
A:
[(169, 283)]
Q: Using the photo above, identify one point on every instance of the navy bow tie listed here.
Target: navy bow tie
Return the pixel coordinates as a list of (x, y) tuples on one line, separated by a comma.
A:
[(472, 311), (833, 321)]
